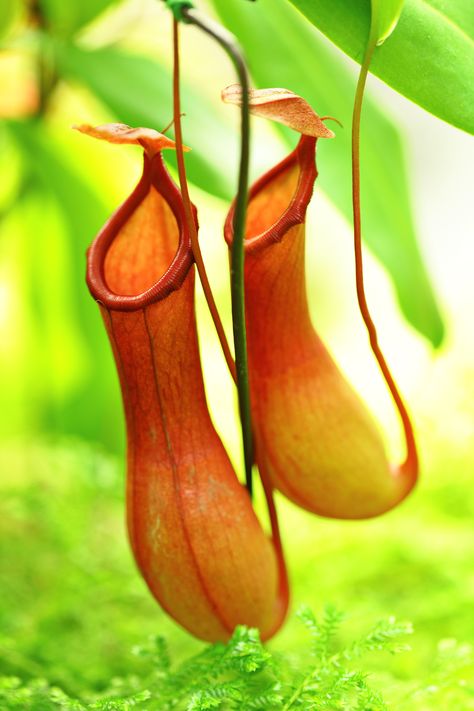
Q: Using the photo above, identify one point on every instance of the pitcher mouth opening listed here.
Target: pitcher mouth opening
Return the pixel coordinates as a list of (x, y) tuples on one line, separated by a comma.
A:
[(167, 268), (296, 175)]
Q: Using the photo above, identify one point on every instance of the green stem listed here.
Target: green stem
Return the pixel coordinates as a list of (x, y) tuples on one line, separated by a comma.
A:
[(229, 44)]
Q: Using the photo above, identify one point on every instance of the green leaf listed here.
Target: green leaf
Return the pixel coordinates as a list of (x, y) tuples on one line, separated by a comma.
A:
[(385, 16), (66, 18), (429, 59), (138, 92), (293, 56)]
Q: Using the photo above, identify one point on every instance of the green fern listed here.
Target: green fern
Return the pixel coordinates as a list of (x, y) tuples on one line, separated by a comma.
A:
[(215, 697), (239, 675), (329, 682), (385, 636), (243, 675), (36, 695), (322, 633), (156, 651), (122, 703)]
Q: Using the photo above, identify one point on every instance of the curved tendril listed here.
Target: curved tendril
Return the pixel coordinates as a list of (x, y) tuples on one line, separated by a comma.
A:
[(410, 465), (188, 209), (332, 118)]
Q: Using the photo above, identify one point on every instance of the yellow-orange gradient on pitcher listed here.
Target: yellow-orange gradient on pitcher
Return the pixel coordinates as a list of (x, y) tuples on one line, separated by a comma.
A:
[(315, 439), (193, 531)]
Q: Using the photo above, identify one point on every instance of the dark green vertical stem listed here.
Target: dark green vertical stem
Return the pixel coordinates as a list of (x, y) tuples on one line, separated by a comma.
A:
[(229, 44)]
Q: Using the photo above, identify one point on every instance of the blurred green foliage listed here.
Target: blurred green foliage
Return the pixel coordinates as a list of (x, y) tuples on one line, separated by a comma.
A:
[(65, 19)]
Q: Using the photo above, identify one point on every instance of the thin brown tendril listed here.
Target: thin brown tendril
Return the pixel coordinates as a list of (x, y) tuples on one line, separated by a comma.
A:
[(188, 209), (283, 581), (332, 118), (168, 126), (410, 465)]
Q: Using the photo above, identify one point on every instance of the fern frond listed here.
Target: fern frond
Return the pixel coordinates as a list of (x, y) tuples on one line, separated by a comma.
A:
[(156, 651), (270, 699), (34, 695), (329, 683), (121, 703), (332, 619), (245, 652), (322, 633), (199, 669), (383, 637), (214, 697)]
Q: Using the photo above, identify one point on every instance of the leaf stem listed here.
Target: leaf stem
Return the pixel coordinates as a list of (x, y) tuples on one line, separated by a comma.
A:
[(188, 208), (410, 465), (228, 42)]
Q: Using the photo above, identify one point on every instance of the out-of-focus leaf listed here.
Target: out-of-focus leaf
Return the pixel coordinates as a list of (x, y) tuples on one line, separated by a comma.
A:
[(42, 367), (294, 57), (64, 17), (11, 171), (429, 59), (138, 91), (9, 11), (86, 413)]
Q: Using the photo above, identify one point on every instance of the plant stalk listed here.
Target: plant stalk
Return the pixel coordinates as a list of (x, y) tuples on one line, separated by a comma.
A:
[(228, 42)]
